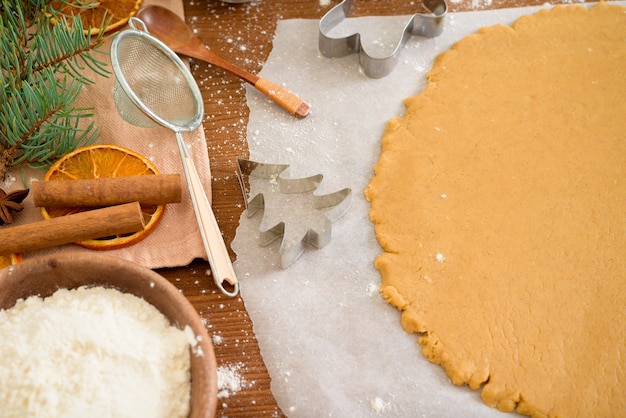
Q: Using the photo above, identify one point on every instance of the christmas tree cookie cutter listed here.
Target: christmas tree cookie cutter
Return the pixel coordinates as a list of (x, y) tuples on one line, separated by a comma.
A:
[(299, 222), (425, 25)]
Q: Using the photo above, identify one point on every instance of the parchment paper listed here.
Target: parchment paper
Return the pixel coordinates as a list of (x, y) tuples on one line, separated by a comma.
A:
[(176, 239), (331, 344)]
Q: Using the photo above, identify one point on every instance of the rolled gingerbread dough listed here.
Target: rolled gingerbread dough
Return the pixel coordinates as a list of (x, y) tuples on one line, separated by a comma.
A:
[(500, 202)]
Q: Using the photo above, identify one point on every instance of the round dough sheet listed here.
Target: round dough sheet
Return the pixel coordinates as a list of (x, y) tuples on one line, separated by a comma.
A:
[(500, 202)]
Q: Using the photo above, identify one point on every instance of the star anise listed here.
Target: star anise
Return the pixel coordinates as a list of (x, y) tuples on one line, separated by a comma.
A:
[(10, 203)]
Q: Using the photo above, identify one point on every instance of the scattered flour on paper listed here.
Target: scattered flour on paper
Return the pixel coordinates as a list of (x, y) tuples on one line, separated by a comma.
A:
[(372, 288), (92, 351), (378, 405)]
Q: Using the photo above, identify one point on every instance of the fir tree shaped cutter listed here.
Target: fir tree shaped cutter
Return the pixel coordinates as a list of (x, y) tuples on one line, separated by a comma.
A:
[(291, 210)]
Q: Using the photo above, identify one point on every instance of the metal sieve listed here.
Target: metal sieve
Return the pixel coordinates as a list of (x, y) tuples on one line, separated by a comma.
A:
[(153, 87)]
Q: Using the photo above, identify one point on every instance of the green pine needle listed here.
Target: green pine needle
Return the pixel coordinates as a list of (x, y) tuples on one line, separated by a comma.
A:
[(42, 71)]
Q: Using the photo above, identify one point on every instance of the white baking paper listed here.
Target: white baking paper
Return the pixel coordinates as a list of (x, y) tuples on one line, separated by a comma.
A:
[(333, 347)]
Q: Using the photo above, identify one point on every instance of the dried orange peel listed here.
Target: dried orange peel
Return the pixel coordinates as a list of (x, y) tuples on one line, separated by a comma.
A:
[(93, 13), (9, 260), (105, 161)]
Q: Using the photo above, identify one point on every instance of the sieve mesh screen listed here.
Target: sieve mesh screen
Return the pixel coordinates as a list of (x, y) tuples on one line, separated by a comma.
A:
[(157, 81)]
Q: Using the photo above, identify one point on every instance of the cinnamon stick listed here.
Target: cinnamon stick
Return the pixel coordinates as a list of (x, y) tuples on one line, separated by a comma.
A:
[(91, 224), (157, 189)]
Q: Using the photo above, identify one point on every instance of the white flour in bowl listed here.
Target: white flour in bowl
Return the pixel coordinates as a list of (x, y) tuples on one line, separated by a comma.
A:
[(92, 352)]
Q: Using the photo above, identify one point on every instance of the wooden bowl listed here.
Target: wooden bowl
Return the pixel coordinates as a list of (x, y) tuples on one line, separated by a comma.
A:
[(42, 276)]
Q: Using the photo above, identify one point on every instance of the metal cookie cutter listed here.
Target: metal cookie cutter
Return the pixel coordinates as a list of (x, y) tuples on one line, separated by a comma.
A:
[(426, 25), (328, 208)]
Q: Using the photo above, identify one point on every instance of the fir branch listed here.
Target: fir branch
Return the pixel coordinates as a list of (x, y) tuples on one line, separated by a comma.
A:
[(43, 126), (64, 47), (42, 69)]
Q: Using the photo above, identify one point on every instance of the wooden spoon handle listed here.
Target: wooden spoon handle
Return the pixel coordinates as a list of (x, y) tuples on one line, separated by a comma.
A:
[(281, 96)]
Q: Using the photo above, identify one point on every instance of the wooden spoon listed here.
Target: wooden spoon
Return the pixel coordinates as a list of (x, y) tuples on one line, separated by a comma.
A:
[(170, 29)]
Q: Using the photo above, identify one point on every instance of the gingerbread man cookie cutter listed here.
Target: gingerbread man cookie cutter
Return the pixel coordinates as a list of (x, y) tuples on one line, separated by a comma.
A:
[(425, 25)]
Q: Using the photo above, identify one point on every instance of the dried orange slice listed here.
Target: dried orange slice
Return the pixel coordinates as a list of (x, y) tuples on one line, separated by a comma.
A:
[(9, 260), (104, 161), (114, 12)]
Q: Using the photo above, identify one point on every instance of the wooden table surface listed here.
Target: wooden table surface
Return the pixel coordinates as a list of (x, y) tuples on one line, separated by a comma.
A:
[(242, 34)]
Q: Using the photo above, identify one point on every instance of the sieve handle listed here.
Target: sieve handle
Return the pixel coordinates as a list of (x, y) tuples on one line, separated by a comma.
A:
[(214, 245)]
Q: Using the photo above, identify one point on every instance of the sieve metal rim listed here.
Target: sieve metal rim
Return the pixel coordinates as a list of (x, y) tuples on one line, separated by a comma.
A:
[(121, 78)]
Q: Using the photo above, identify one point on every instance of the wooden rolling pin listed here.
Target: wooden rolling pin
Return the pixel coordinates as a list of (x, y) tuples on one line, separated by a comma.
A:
[(157, 189), (97, 223)]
